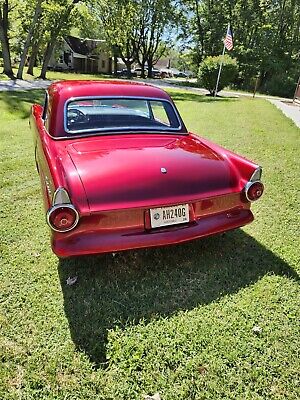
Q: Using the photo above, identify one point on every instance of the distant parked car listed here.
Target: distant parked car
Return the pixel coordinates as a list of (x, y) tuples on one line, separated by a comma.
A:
[(180, 74), (123, 72), (119, 171), (155, 73), (138, 71)]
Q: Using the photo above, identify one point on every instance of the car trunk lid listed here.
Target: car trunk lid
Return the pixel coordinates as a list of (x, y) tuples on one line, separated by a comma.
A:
[(148, 170)]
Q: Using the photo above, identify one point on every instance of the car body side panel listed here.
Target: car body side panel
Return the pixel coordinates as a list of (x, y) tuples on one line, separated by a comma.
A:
[(53, 172)]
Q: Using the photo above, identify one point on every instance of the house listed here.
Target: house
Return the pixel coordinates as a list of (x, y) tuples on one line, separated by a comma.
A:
[(82, 55)]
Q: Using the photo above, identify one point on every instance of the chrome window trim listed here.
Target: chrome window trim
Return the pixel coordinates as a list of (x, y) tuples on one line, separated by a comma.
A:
[(45, 107), (122, 129), (110, 133)]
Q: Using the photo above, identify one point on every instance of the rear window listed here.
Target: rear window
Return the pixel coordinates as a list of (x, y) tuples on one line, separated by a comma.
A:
[(119, 114)]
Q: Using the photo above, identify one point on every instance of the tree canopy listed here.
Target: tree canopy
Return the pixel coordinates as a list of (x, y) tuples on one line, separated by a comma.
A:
[(266, 34)]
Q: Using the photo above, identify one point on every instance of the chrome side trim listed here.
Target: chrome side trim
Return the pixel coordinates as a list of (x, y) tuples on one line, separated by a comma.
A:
[(123, 129), (45, 107), (110, 133), (60, 196), (256, 176), (53, 208)]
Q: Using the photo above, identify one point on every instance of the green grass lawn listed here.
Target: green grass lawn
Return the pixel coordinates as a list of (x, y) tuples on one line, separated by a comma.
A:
[(176, 320), (55, 75)]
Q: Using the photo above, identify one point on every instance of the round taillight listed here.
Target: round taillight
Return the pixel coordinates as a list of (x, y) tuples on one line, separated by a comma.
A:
[(254, 190), (62, 218)]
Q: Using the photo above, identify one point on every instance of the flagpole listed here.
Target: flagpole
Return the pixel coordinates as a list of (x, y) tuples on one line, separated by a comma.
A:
[(220, 68)]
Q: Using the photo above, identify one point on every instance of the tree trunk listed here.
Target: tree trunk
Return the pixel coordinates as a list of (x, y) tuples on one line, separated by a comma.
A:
[(143, 69), (37, 13), (33, 57), (150, 67), (128, 67), (46, 59), (7, 68), (199, 33), (115, 60), (115, 65)]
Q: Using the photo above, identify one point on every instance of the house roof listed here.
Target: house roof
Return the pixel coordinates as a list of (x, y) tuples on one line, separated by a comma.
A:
[(82, 46)]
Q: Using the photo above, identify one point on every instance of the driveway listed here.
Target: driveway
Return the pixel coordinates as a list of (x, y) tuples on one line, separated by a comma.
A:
[(19, 84), (289, 109)]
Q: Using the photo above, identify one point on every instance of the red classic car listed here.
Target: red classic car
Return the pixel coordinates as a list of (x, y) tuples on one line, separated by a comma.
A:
[(119, 170)]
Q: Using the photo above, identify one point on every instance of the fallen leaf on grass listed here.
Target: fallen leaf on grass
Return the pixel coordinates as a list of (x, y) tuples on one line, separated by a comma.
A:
[(202, 370), (71, 281), (256, 329), (156, 396)]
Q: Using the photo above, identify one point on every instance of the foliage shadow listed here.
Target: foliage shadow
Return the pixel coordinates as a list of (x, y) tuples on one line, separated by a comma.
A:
[(19, 101)]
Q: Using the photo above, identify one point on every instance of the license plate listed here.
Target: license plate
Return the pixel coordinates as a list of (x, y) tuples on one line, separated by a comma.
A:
[(165, 216)]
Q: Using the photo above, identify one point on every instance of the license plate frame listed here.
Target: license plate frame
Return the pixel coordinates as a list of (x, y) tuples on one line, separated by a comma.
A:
[(167, 216)]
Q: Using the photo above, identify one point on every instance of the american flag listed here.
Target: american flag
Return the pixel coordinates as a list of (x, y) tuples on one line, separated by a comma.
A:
[(228, 41)]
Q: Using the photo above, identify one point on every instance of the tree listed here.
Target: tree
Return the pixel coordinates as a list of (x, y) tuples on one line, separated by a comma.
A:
[(36, 16), (155, 18), (35, 46), (58, 20), (266, 35), (120, 20), (5, 8)]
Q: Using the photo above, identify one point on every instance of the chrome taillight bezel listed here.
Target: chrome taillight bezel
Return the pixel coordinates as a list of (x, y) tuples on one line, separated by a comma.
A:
[(255, 178), (54, 208), (248, 186), (61, 199)]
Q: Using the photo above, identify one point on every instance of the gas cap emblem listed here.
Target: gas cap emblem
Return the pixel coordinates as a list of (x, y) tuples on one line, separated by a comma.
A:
[(163, 170)]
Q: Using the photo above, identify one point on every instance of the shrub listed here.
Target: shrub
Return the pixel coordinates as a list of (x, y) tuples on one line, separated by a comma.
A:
[(208, 72)]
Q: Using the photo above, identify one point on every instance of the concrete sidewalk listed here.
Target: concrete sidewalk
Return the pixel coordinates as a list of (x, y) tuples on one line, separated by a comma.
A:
[(19, 84), (289, 109)]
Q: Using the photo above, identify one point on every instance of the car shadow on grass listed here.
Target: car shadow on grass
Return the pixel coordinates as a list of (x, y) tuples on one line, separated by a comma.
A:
[(19, 101), (112, 290)]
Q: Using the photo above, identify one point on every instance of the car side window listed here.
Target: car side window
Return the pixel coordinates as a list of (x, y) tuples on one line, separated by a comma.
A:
[(159, 113)]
